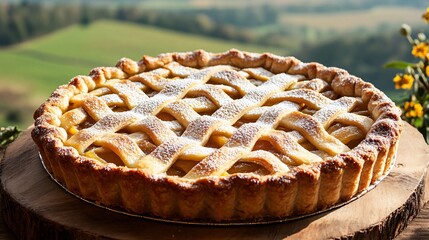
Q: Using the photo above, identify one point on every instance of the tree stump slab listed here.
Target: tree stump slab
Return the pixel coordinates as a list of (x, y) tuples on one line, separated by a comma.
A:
[(35, 207)]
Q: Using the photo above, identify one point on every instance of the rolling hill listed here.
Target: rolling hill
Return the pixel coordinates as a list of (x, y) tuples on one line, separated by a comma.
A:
[(38, 66), (55, 58)]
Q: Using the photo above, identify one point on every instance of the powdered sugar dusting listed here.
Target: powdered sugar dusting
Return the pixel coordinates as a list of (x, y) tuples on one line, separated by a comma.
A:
[(231, 97)]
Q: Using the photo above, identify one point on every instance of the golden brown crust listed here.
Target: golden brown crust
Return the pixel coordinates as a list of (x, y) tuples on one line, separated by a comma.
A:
[(304, 189)]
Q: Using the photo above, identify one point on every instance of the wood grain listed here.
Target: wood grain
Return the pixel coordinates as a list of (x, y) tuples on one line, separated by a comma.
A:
[(35, 207)]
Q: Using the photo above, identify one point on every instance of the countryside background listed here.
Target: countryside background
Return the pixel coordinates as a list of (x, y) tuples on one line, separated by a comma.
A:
[(44, 43)]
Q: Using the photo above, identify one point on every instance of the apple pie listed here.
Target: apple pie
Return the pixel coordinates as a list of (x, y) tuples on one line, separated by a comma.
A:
[(217, 137)]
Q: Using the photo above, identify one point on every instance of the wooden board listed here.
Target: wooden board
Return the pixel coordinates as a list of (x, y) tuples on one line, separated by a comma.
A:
[(34, 206), (5, 233)]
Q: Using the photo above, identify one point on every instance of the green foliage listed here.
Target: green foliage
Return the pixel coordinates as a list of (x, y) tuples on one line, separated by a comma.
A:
[(23, 21), (8, 135), (399, 65), (19, 22)]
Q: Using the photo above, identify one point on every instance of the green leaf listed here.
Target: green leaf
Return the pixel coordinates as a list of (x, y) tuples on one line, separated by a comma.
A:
[(8, 135), (399, 65), (418, 122)]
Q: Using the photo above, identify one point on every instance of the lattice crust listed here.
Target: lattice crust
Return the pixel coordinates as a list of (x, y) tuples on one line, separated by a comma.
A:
[(153, 132), (189, 118)]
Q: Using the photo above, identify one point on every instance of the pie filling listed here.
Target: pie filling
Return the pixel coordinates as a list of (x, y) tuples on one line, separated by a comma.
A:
[(234, 113)]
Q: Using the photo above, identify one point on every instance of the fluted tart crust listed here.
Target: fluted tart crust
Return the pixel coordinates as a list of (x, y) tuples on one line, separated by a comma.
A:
[(217, 137)]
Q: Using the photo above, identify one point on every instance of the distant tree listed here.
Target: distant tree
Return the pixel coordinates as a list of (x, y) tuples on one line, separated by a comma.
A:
[(85, 18), (14, 116), (19, 22)]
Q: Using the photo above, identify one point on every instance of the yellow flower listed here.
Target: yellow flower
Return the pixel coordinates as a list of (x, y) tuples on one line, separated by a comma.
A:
[(403, 81), (413, 109), (426, 15), (427, 70), (420, 50)]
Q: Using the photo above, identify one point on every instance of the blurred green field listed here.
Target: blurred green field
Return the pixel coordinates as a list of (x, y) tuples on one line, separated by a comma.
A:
[(32, 70)]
